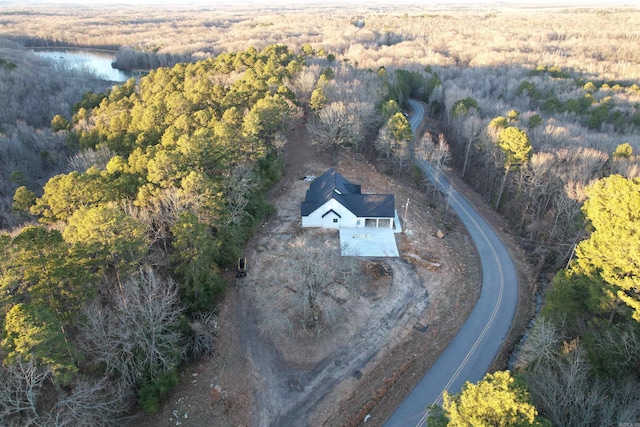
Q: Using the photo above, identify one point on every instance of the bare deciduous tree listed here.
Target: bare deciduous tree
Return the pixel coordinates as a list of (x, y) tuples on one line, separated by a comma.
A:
[(316, 274), (539, 186), (160, 212), (305, 81), (238, 186), (384, 143), (566, 389), (137, 333), (622, 347), (279, 143), (203, 329), (313, 277), (92, 403), (541, 345), (20, 392), (470, 131), (435, 153), (335, 126), (84, 159), (28, 396), (565, 210)]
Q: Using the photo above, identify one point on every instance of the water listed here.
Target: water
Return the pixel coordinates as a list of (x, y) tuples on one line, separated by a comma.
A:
[(99, 62)]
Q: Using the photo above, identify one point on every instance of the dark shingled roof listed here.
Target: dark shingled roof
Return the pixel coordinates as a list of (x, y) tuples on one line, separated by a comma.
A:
[(333, 185)]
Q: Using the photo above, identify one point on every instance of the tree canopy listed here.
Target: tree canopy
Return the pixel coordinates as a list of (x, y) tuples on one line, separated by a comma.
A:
[(137, 239), (496, 400), (613, 249), (400, 127), (595, 304), (515, 146)]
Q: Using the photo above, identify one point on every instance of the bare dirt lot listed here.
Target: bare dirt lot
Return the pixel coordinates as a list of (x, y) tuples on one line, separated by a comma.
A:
[(377, 324)]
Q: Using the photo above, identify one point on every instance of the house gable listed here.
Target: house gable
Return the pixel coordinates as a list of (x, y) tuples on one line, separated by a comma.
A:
[(327, 214), (332, 193), (327, 186), (331, 211)]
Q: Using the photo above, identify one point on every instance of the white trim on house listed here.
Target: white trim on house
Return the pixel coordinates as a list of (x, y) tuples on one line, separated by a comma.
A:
[(328, 206), (325, 214)]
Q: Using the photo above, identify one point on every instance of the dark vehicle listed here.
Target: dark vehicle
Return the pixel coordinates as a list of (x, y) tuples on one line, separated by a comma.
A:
[(242, 268)]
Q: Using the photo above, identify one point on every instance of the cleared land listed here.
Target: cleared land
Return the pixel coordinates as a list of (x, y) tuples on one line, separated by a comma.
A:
[(378, 334), (479, 53)]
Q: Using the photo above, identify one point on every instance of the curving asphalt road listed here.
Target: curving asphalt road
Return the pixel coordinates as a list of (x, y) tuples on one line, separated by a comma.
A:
[(470, 354)]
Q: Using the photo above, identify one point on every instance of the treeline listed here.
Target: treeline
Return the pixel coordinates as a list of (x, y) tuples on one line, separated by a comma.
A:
[(577, 131), (144, 59), (55, 42), (580, 364), (103, 300), (565, 175), (32, 91), (595, 41), (129, 58)]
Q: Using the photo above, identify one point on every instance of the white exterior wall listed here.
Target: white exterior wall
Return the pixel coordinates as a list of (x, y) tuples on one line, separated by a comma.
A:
[(346, 219), (314, 219)]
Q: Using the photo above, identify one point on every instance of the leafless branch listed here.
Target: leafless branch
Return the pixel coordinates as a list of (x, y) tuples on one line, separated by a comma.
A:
[(137, 332), (20, 391)]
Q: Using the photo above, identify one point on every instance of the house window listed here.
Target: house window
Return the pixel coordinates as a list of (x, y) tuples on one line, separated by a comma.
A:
[(335, 220)]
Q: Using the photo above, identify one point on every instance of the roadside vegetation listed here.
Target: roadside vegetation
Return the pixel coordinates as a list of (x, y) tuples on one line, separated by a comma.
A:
[(122, 204)]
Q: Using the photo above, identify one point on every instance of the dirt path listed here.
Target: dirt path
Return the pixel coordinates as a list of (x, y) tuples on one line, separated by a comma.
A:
[(386, 332), (302, 391), (290, 388), (298, 379)]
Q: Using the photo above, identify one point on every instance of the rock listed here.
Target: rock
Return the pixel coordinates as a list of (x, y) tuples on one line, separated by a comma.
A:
[(440, 234), (216, 394)]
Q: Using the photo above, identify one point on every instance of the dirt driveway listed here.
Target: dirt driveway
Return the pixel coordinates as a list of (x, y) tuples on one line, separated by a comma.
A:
[(375, 326)]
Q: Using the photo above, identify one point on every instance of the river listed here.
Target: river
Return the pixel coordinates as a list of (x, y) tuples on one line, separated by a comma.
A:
[(94, 60)]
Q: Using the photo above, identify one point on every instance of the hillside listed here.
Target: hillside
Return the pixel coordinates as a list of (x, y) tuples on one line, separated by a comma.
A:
[(538, 108)]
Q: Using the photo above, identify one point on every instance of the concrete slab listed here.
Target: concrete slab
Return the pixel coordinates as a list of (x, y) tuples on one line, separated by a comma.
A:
[(369, 242)]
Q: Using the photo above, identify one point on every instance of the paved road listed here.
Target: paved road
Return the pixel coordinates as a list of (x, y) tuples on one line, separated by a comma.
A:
[(469, 355)]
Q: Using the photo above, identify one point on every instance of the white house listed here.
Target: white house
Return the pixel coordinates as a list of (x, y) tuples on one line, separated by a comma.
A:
[(334, 202)]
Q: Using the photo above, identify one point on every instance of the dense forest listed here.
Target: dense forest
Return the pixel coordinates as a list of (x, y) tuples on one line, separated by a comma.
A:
[(122, 204), (115, 286), (113, 290)]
